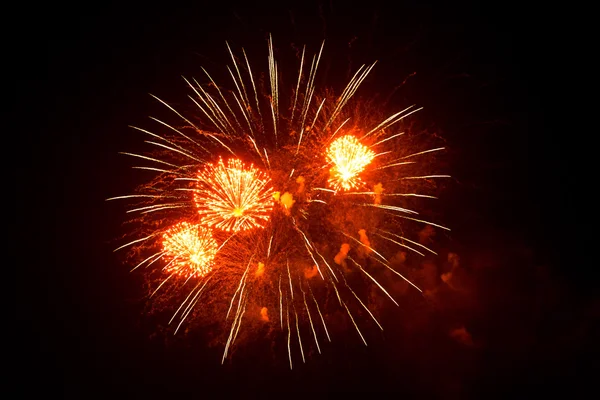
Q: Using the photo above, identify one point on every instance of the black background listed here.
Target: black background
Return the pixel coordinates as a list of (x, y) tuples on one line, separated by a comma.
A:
[(495, 80)]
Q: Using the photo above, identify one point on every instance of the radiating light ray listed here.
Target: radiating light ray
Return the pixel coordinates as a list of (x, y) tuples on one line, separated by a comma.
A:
[(182, 117), (193, 302), (185, 301), (290, 276), (395, 165), (155, 260), (422, 152), (308, 248), (366, 246), (386, 139), (239, 287), (189, 307), (389, 194), (269, 249), (274, 88), (150, 159), (173, 205), (287, 309), (373, 279), (226, 240), (388, 207), (410, 241), (397, 273), (363, 304), (391, 120), (253, 87), (158, 255), (182, 150), (401, 244), (338, 129), (280, 303), (299, 338), (240, 321), (298, 84), (349, 91), (354, 322), (267, 158), (150, 196), (309, 93), (240, 103), (317, 114), (162, 283), (216, 115), (257, 150), (319, 311), (166, 171), (213, 104), (239, 75), (237, 320), (422, 221), (135, 241), (324, 189), (312, 327), (425, 177)]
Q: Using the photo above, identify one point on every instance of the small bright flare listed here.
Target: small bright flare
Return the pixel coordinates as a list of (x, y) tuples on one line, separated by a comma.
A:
[(349, 158), (233, 197), (189, 250)]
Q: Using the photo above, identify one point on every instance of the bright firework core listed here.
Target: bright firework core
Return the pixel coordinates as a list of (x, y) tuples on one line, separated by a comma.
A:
[(233, 197), (349, 158), (189, 249)]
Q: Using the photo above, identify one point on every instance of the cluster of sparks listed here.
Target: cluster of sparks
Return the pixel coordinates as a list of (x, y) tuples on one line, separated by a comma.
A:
[(229, 227), (233, 197), (189, 250), (349, 158)]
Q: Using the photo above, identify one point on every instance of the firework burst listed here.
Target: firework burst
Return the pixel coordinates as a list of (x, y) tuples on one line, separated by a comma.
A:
[(189, 250), (349, 158), (300, 223), (233, 197)]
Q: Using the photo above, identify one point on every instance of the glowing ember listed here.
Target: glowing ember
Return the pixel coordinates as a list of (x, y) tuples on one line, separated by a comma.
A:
[(233, 197), (189, 250), (349, 158)]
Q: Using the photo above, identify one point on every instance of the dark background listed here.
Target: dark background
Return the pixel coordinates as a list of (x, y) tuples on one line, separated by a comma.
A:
[(495, 81)]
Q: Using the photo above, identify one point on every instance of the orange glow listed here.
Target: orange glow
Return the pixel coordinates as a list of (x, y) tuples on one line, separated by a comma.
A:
[(264, 314), (311, 272), (189, 249), (349, 158), (260, 269), (233, 197)]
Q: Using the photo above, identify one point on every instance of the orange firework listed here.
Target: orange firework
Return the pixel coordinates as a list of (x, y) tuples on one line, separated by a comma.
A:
[(349, 158), (189, 250), (233, 197), (270, 245)]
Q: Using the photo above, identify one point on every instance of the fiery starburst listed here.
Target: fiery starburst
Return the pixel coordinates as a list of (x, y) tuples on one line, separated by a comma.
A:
[(233, 197), (322, 218), (189, 250), (349, 158)]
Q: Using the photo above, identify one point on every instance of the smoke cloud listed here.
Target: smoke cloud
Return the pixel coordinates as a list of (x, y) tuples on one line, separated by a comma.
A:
[(341, 256)]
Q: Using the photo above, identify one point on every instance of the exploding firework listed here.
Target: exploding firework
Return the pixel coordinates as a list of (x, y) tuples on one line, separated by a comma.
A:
[(232, 197), (302, 221), (349, 158), (189, 250)]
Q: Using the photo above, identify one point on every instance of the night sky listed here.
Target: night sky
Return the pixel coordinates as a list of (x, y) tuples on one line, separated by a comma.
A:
[(519, 315)]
